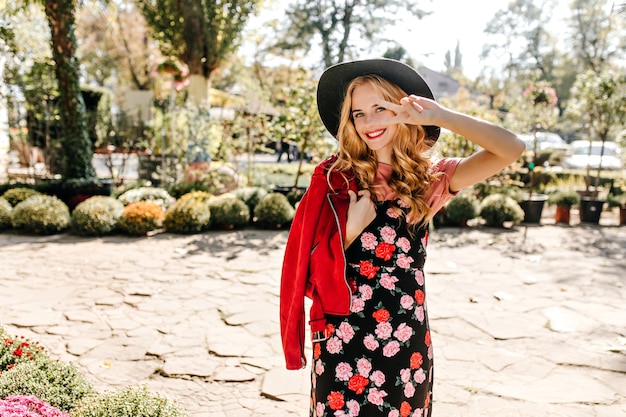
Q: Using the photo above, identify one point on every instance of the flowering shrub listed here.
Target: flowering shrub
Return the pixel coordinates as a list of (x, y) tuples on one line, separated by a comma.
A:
[(53, 381), (41, 214), (128, 402), (96, 216), (28, 406), (5, 214), (274, 210), (250, 195), (17, 350), (151, 194), (541, 94), (197, 195), (188, 215), (461, 208), (227, 211), (141, 217), (18, 194), (497, 209)]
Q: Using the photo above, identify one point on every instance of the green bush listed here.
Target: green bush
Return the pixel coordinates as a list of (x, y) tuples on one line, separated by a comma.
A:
[(461, 208), (151, 194), (179, 189), (5, 214), (250, 195), (141, 217), (197, 195), (41, 214), (498, 209), (227, 211), (128, 402), (96, 216), (57, 383), (274, 210), (295, 195), (18, 194), (564, 198), (14, 351), (188, 215)]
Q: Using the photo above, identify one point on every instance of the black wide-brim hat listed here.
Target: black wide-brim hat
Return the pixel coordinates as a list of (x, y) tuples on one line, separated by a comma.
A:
[(332, 86)]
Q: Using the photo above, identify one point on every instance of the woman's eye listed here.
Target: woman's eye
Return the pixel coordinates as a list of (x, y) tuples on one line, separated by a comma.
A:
[(357, 115), (379, 109)]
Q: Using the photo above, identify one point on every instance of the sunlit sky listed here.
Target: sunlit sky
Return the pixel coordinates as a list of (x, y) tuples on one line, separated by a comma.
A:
[(427, 40)]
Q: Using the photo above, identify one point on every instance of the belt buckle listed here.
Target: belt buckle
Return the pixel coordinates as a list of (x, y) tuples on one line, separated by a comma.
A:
[(322, 335)]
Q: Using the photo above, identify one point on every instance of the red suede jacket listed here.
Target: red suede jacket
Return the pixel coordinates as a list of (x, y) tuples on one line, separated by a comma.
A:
[(315, 266)]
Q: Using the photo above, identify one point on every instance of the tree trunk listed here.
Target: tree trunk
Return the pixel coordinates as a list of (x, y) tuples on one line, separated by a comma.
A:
[(77, 147)]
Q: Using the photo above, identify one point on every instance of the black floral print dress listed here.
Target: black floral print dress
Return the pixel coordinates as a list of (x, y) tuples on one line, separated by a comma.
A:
[(378, 360)]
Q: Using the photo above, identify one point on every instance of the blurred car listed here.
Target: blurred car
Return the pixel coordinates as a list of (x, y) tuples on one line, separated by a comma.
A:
[(545, 141), (583, 155)]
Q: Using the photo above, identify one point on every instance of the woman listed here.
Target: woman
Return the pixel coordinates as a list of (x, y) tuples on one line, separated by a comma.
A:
[(357, 243)]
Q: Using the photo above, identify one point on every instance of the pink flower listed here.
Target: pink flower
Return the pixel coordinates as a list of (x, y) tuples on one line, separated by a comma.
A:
[(405, 375), (407, 302), (404, 244), (409, 390), (343, 371), (419, 277), (334, 345), (370, 342), (353, 408), (364, 367), (319, 367), (392, 213), (393, 413), (28, 406), (345, 332), (387, 281), (319, 409), (383, 330), (378, 378), (357, 305), (419, 313), (388, 234), (366, 292), (419, 376), (391, 349), (403, 332), (404, 261), (376, 397), (419, 412), (368, 241)]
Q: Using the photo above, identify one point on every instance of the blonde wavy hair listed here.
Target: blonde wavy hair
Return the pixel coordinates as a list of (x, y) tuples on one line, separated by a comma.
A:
[(411, 177)]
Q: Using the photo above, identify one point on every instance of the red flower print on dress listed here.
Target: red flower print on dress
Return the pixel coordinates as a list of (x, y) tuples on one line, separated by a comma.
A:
[(335, 400), (416, 360), (384, 251), (367, 269), (358, 383), (317, 350), (427, 338), (381, 315), (405, 409), (368, 241), (420, 297)]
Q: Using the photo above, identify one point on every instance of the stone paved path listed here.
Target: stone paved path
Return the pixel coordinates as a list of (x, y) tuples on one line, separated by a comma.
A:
[(526, 322)]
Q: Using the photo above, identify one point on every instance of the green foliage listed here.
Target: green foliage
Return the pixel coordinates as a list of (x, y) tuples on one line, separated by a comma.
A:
[(96, 216), (128, 402), (498, 209), (618, 200), (5, 214), (564, 198), (18, 194), (227, 211), (14, 350), (188, 215), (41, 214), (141, 217), (180, 188), (250, 195), (57, 383), (197, 195), (154, 195), (461, 208), (274, 210)]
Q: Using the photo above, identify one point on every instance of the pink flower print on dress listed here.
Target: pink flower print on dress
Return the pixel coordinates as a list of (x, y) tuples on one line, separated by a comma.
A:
[(334, 345), (343, 371), (319, 409), (378, 378), (353, 408), (403, 332), (392, 213), (405, 375), (368, 241), (366, 292), (419, 277), (357, 305), (404, 244), (364, 367), (319, 367), (409, 390), (419, 376), (407, 302), (387, 281), (376, 397), (391, 349), (388, 234), (370, 342), (402, 204), (383, 330), (419, 313), (404, 261), (394, 413), (418, 412), (345, 332)]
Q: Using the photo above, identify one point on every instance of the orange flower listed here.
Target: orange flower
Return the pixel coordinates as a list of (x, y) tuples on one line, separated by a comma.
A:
[(335, 400), (405, 409), (357, 383), (381, 315), (416, 360)]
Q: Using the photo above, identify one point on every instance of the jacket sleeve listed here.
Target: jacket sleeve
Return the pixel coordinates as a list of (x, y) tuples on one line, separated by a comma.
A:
[(300, 243)]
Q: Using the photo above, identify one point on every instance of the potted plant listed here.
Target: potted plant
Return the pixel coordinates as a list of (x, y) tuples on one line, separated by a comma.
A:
[(618, 201), (564, 201), (460, 209), (598, 102)]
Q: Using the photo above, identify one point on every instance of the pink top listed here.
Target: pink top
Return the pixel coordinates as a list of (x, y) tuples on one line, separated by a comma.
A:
[(439, 192)]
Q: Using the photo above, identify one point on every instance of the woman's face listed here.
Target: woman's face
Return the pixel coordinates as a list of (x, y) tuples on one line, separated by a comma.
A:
[(371, 121)]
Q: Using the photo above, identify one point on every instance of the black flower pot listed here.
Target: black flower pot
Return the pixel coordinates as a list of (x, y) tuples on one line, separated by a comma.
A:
[(590, 210), (533, 207)]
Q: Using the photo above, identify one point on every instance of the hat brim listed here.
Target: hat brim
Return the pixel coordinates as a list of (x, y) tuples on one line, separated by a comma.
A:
[(333, 83)]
